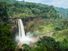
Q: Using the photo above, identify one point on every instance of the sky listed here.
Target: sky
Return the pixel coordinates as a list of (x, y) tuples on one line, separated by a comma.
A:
[(56, 3)]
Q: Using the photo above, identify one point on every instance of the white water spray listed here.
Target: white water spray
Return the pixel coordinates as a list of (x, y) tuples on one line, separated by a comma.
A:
[(21, 38)]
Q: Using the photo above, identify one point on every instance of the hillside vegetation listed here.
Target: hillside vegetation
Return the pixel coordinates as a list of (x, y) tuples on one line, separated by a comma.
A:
[(39, 20)]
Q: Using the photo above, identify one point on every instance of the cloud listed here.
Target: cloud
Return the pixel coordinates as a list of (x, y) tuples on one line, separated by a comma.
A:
[(57, 3), (60, 3), (39, 1)]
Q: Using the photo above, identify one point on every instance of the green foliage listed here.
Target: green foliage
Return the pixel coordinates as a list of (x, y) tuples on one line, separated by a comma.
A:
[(61, 24), (33, 9), (42, 19), (8, 1), (3, 12), (45, 44), (61, 37), (63, 12), (6, 40), (26, 48), (49, 43)]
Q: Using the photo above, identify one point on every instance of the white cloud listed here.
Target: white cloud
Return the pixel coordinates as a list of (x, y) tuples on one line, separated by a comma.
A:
[(57, 3), (60, 3)]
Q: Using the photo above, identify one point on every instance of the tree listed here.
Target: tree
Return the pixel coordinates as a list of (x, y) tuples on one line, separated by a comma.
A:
[(6, 41), (48, 43), (3, 12)]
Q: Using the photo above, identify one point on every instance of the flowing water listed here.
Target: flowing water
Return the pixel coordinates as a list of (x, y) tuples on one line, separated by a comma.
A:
[(21, 38)]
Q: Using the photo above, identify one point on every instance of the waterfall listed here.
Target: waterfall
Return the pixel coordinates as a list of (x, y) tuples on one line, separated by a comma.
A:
[(21, 37), (21, 28)]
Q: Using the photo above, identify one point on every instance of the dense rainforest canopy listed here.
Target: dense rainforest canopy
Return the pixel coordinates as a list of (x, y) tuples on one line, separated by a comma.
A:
[(39, 20)]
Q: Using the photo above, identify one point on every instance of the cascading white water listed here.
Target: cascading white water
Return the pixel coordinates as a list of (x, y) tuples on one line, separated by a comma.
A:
[(21, 28), (21, 37)]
